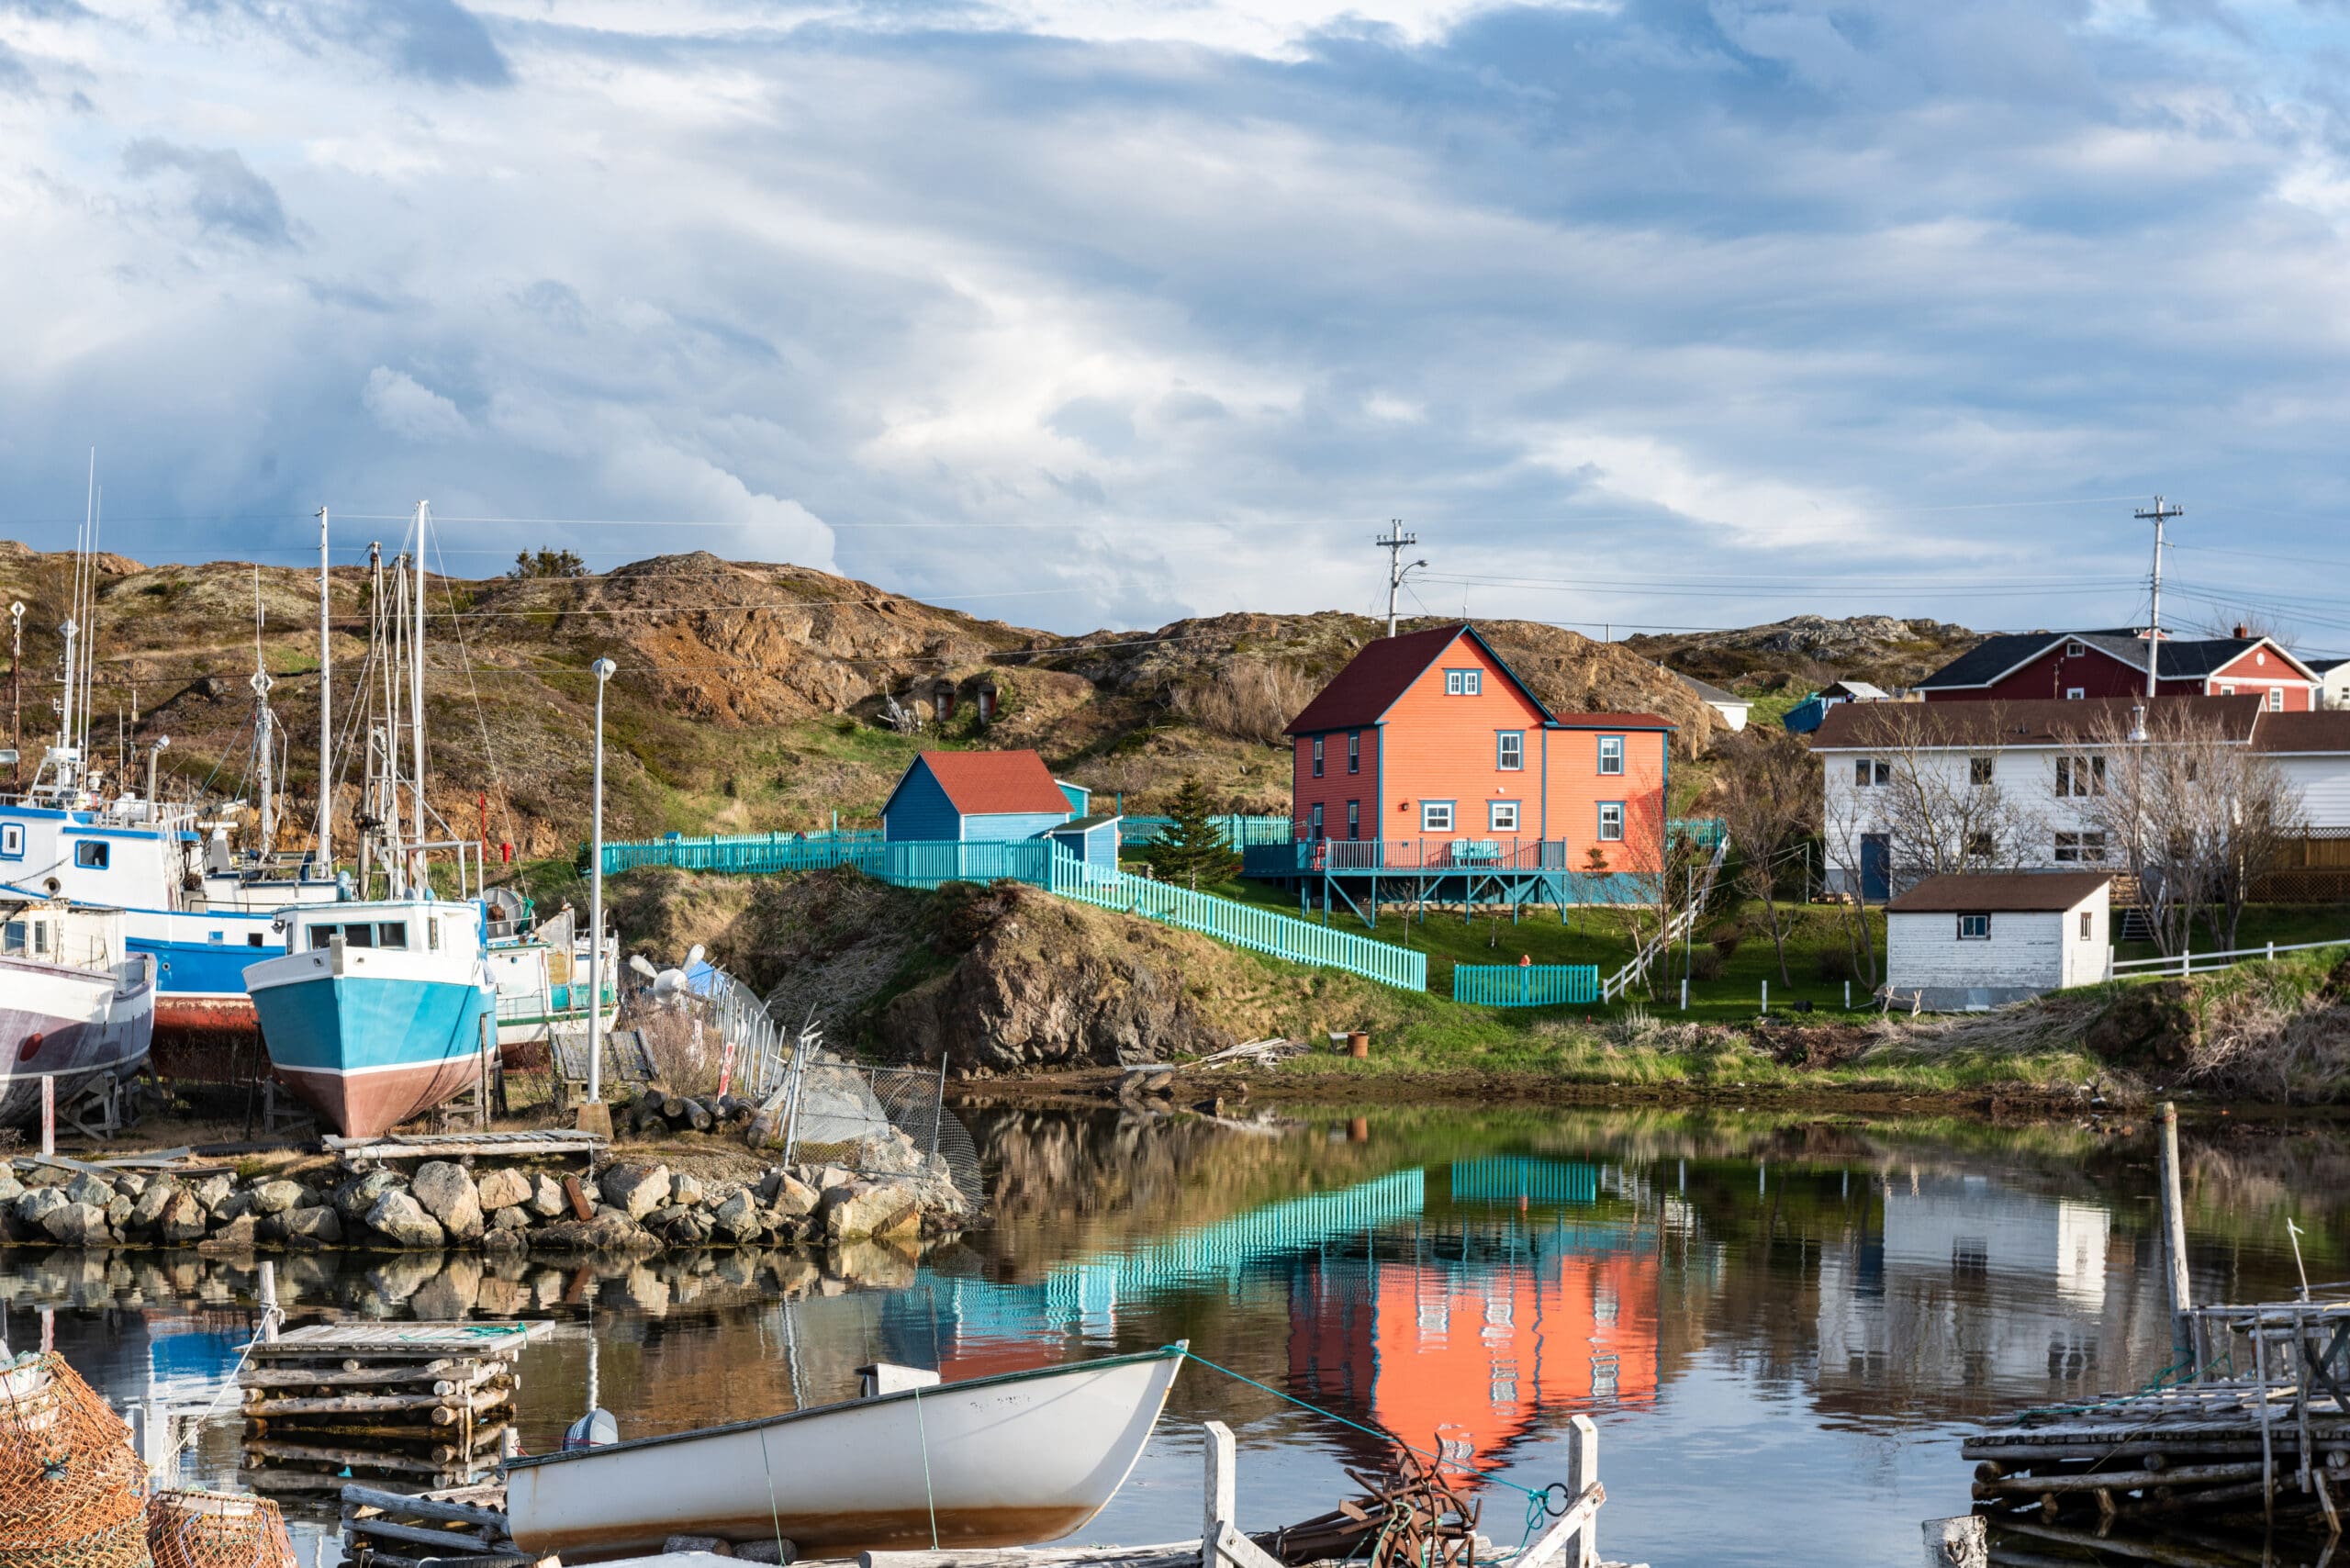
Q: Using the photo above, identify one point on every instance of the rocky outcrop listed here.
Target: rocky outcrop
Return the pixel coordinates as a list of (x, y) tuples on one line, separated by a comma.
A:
[(1047, 983)]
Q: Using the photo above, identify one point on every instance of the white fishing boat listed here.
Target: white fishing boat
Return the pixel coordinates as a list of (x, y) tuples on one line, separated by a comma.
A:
[(74, 1005), (1005, 1461)]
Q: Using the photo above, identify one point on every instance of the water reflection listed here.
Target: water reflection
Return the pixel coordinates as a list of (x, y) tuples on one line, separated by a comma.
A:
[(1783, 1326)]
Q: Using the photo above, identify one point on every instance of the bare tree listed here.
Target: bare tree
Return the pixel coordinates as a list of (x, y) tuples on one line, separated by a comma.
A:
[(1770, 807), (2194, 815)]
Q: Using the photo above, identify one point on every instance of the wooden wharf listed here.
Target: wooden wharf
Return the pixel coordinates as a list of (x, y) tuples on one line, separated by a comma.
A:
[(2256, 1421)]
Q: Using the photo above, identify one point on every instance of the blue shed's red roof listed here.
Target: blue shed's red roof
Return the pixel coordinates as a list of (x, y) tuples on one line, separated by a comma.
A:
[(990, 783)]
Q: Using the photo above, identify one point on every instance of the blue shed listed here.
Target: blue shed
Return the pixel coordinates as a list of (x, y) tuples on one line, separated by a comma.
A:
[(974, 797), (1093, 840), (1079, 798)]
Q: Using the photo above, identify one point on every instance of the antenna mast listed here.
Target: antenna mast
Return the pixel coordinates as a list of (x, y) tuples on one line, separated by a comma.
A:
[(1395, 542), (2157, 516), (264, 729), (416, 696), (325, 703)]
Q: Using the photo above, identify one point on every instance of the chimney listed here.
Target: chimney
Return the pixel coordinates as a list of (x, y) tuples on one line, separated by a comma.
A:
[(2243, 633)]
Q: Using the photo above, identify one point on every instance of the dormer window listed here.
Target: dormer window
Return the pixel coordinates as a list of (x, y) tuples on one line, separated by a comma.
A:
[(1463, 682)]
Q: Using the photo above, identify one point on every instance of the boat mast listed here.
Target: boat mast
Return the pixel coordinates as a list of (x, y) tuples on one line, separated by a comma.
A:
[(265, 726), (89, 623), (325, 703), (416, 694)]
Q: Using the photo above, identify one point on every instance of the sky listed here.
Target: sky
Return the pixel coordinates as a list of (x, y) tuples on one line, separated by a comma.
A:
[(1081, 313)]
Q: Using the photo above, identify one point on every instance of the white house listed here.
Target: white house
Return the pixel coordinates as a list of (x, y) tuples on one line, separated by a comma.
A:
[(2332, 681), (2044, 758), (1729, 704), (1956, 943)]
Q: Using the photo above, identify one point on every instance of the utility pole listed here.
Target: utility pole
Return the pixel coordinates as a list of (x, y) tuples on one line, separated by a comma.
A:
[(2157, 516), (326, 716), (17, 687), (1395, 542)]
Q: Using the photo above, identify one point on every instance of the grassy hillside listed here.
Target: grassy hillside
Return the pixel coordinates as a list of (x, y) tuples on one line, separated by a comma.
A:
[(750, 696)]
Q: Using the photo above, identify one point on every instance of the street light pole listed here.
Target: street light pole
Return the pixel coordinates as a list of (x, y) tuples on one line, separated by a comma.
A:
[(603, 670)]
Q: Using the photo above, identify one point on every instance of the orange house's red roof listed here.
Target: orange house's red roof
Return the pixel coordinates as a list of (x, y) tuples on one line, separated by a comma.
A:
[(987, 783)]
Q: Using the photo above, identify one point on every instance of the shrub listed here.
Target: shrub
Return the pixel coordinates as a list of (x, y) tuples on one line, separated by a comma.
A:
[(1249, 699), (1705, 964), (1724, 941), (1836, 965)]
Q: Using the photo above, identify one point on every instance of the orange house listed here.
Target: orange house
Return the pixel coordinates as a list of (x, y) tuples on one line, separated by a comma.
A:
[(1429, 744)]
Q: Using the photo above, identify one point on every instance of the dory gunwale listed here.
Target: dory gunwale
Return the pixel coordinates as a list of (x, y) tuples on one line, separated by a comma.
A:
[(1175, 1351)]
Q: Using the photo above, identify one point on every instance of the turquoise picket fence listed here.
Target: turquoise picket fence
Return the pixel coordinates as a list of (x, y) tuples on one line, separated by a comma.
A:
[(925, 863), (744, 853), (1242, 925), (1240, 832), (1524, 985)]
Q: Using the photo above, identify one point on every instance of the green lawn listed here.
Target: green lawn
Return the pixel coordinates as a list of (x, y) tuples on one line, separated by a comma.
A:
[(1598, 938), (2287, 925)]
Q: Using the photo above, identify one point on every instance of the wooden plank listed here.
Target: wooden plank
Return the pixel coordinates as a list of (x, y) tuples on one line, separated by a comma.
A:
[(399, 1504), (361, 1340), (442, 1370), (416, 1535), (1219, 1490)]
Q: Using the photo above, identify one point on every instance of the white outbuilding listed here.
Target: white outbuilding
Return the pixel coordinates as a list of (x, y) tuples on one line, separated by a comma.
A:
[(1963, 942)]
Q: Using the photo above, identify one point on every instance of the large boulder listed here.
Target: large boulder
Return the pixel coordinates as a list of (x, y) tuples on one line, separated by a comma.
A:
[(636, 1189), (546, 1197), (77, 1225), (240, 1235), (401, 1220), (34, 1206), (787, 1196), (737, 1215), (148, 1211), (87, 1189), (611, 1233), (685, 1189), (864, 1209), (213, 1191), (447, 1192), (182, 1221), (318, 1226), (356, 1197), (504, 1188), (10, 1188), (277, 1197)]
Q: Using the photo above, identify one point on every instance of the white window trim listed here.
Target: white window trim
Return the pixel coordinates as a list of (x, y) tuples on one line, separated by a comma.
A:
[(1606, 806), (2076, 693), (1605, 771), (1982, 935), (1451, 817), (1494, 810), (1501, 764)]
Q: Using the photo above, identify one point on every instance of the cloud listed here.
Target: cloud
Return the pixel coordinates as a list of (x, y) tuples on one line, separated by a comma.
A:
[(1660, 311), (409, 409), (225, 197)]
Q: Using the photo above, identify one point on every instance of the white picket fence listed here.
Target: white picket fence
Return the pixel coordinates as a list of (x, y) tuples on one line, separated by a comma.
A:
[(2194, 963)]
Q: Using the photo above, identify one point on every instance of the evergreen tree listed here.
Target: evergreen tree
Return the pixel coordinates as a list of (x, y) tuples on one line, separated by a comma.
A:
[(1194, 850)]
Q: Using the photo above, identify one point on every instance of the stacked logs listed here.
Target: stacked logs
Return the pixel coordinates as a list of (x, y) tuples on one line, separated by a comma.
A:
[(319, 1414)]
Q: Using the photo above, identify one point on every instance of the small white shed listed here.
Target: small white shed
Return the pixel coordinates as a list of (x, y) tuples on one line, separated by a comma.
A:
[(1959, 944)]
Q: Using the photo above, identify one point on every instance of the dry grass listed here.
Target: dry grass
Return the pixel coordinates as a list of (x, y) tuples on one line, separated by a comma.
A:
[(1249, 699)]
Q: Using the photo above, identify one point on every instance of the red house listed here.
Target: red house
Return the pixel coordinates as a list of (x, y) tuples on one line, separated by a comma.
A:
[(2038, 665), (1432, 736)]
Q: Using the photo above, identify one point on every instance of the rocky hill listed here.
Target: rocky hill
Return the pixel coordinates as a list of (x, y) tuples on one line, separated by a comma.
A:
[(749, 696), (1807, 651)]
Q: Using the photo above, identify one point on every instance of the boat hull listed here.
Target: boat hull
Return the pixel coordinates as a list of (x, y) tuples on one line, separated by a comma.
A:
[(1011, 1461), (71, 1024), (368, 1052)]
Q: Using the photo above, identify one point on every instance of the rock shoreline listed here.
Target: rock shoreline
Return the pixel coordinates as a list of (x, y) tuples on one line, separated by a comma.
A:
[(629, 1206)]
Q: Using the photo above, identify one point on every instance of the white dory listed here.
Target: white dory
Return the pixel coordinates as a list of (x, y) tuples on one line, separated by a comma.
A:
[(1003, 1460)]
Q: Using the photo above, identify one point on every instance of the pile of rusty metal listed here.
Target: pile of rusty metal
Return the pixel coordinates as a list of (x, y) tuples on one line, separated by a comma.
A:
[(1414, 1514)]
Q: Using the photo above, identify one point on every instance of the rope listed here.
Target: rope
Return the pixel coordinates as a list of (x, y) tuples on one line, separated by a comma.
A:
[(923, 1427), (775, 1515)]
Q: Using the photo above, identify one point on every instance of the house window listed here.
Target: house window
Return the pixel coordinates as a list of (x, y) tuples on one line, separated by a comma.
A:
[(2085, 925), (2072, 848), (1435, 816), (91, 854), (1502, 816), (2227, 691), (2080, 776), (12, 842), (2075, 693), (1611, 822), (1317, 757), (2073, 650), (1981, 845), (12, 936), (2276, 700), (1354, 819), (1981, 771), (1463, 682), (1611, 755), (1975, 928), (1354, 751), (1314, 822), (40, 938), (1509, 751), (1867, 772)]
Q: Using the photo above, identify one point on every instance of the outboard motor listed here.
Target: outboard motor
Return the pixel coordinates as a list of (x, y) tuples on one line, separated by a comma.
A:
[(596, 1430)]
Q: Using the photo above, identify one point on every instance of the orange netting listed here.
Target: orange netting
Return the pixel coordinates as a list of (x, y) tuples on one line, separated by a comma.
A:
[(216, 1530), (72, 1492)]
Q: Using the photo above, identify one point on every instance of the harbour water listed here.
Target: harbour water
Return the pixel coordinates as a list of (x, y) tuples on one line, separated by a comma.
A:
[(1782, 1324)]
